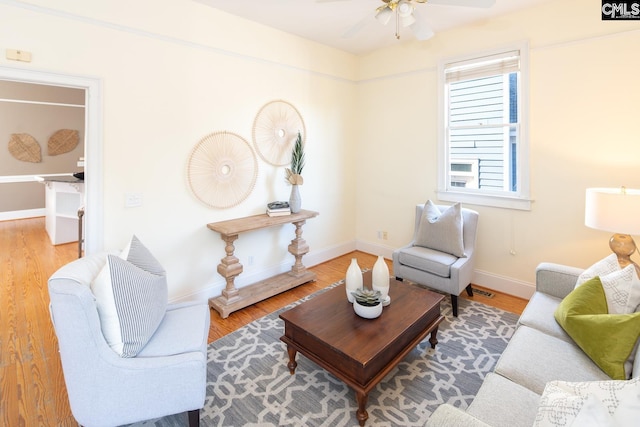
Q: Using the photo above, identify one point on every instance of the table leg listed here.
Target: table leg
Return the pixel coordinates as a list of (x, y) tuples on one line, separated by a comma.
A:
[(362, 414), (432, 339), (292, 359), (229, 268), (298, 248)]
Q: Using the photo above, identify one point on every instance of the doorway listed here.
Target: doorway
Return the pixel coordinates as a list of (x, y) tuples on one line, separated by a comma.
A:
[(93, 217)]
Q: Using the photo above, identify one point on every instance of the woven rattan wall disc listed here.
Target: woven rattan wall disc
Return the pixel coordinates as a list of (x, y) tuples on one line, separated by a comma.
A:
[(62, 141), (222, 169), (275, 130), (24, 147)]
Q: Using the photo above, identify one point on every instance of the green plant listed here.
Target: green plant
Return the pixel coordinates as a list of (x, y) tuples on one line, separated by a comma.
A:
[(294, 174), (367, 297)]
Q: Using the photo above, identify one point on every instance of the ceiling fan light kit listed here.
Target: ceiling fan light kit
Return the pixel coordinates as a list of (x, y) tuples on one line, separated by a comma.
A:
[(403, 10), (407, 16)]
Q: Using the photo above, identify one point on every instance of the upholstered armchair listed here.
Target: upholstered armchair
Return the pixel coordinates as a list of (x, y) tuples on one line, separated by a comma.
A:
[(167, 375), (442, 253)]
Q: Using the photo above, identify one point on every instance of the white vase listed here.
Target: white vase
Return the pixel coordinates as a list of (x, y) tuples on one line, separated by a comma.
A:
[(368, 312), (353, 279), (380, 279), (295, 202)]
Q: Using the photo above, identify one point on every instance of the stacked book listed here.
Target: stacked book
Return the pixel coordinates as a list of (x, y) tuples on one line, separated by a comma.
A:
[(278, 209)]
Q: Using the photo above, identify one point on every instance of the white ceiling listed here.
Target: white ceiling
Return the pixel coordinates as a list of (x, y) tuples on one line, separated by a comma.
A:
[(326, 21)]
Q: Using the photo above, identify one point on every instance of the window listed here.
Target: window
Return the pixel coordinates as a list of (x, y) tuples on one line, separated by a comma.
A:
[(483, 156)]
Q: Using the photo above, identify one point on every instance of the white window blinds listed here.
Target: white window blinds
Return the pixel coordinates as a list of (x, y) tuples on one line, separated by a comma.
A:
[(502, 63)]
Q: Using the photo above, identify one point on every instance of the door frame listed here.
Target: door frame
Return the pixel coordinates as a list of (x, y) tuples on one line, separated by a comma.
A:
[(94, 214)]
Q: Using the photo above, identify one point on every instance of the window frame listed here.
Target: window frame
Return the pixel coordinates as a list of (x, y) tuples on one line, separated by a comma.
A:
[(520, 199)]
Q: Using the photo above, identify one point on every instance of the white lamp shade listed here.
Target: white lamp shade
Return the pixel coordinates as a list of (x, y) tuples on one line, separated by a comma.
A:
[(407, 20), (616, 210), (405, 9)]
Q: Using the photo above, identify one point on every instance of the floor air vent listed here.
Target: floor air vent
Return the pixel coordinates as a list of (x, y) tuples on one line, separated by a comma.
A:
[(483, 293)]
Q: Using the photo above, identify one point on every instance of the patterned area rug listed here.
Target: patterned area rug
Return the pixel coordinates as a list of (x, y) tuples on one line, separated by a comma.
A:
[(249, 383)]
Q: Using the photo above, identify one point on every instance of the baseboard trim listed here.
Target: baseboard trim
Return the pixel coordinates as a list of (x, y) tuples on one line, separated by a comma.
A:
[(27, 213), (506, 285), (374, 249), (214, 289)]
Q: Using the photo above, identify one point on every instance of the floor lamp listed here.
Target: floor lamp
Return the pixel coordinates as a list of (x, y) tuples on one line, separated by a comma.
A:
[(616, 210)]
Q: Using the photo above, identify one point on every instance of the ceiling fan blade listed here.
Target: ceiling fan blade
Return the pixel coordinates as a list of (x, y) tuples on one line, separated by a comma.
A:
[(351, 32), (420, 28), (465, 3)]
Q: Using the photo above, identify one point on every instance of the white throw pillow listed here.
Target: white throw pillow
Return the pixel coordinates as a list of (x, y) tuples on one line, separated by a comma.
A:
[(441, 231), (621, 285), (601, 268), (597, 403), (131, 296), (622, 290)]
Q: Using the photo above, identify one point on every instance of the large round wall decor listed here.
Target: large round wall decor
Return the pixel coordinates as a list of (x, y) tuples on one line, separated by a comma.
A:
[(275, 130), (222, 169)]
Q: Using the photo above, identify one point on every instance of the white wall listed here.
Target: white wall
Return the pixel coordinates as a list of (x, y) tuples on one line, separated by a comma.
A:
[(371, 124), (171, 77), (583, 133)]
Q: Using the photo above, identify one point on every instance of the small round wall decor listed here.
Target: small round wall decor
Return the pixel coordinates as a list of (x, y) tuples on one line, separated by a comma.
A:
[(222, 169), (275, 130)]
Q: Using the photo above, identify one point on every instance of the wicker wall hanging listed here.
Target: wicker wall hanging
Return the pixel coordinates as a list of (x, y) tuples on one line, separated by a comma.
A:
[(275, 129), (24, 147), (222, 170), (62, 141)]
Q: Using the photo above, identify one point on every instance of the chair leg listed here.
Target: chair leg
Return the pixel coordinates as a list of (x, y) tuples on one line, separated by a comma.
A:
[(454, 305), (194, 418), (469, 290)]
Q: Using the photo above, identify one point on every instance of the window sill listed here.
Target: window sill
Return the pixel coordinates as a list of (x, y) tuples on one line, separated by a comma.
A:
[(486, 200)]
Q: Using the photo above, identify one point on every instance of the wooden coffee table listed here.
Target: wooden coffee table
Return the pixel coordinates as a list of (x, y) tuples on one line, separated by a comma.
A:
[(361, 352)]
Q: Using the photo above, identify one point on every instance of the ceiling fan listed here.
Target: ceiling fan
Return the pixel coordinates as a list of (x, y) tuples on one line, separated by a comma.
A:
[(407, 14)]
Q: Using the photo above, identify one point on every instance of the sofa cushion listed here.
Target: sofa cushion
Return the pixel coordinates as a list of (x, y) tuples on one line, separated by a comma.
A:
[(533, 358), (441, 231), (172, 337), (429, 260), (131, 296), (608, 339), (595, 403), (520, 401), (538, 314)]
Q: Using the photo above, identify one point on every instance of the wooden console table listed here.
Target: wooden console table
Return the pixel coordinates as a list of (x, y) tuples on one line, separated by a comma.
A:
[(233, 299)]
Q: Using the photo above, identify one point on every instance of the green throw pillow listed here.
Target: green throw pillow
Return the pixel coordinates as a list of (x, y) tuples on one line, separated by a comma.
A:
[(608, 339)]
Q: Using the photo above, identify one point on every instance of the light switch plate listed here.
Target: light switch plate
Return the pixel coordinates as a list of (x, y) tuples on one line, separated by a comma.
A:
[(132, 200)]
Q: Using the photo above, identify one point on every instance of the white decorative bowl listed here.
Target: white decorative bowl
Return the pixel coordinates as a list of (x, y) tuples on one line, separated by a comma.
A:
[(368, 312)]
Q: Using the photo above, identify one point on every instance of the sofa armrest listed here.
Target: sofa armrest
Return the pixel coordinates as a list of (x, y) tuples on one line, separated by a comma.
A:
[(555, 279), (449, 416)]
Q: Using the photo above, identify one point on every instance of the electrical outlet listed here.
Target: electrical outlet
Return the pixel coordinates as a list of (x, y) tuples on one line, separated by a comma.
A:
[(18, 55), (250, 260), (379, 234), (132, 200), (384, 235)]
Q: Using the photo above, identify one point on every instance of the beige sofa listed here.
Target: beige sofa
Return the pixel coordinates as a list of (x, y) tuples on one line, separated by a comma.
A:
[(539, 351)]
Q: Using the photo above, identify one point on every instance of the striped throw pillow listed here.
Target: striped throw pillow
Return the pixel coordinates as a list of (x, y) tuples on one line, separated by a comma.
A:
[(131, 295)]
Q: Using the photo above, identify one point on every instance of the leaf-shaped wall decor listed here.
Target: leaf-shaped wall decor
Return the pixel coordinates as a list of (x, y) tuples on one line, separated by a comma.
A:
[(24, 147), (62, 141)]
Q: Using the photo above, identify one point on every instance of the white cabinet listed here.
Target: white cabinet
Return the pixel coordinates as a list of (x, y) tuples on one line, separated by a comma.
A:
[(63, 199)]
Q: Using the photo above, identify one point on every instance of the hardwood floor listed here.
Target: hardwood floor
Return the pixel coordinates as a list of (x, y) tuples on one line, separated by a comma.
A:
[(32, 390)]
